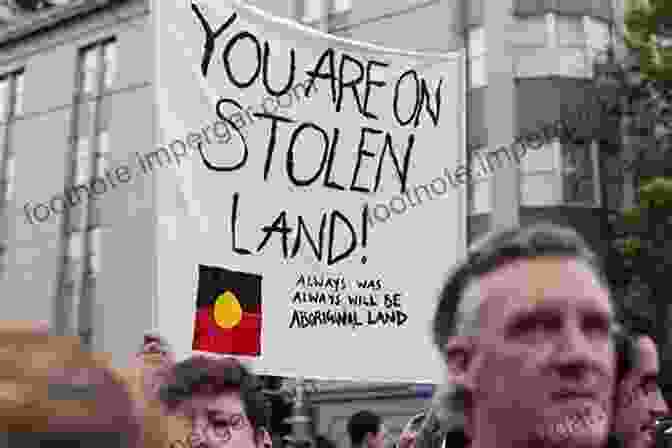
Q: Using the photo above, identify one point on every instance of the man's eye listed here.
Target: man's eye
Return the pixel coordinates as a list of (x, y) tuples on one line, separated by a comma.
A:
[(532, 325), (649, 387), (596, 324)]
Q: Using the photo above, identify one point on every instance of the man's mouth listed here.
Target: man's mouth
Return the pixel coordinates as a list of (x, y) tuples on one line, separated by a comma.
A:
[(573, 394), (650, 428)]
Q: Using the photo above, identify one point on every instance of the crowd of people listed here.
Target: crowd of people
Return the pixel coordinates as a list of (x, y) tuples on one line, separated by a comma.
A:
[(536, 355)]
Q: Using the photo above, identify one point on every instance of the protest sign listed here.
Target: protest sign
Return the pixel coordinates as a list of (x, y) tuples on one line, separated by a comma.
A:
[(266, 249)]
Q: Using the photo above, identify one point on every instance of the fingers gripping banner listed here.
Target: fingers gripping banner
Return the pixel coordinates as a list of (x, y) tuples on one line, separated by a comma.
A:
[(305, 223)]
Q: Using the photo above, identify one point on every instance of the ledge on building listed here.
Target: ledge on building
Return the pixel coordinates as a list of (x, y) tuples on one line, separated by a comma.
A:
[(29, 23)]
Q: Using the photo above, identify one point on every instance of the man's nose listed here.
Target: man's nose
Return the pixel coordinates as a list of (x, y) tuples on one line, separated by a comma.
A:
[(575, 355)]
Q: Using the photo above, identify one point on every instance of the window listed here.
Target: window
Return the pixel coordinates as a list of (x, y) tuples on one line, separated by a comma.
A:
[(11, 106), (102, 151), (18, 94), (479, 195), (96, 72), (539, 176), (530, 31), (598, 34), (537, 161), (4, 99), (11, 96), (98, 67), (89, 71), (573, 39), (477, 50), (570, 31), (613, 180), (317, 10), (75, 244), (73, 273), (109, 63), (8, 182), (83, 163), (578, 169), (93, 256)]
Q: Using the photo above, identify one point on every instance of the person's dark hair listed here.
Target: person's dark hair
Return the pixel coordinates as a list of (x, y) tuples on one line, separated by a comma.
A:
[(626, 353), (638, 326), (323, 442), (634, 327), (203, 375), (362, 423), (499, 249)]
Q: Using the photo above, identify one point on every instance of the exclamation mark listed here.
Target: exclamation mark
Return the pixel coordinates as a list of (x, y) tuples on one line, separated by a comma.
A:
[(365, 228)]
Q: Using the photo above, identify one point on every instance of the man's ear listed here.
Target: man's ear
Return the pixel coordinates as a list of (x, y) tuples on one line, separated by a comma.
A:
[(458, 352), (264, 438), (463, 362)]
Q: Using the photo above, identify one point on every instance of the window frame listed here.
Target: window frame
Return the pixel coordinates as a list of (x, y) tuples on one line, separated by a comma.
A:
[(592, 156), (483, 182), (97, 69), (552, 175), (13, 95), (477, 57), (315, 14)]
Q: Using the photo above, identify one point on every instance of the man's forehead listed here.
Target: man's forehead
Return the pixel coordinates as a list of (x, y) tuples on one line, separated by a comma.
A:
[(226, 403), (531, 282)]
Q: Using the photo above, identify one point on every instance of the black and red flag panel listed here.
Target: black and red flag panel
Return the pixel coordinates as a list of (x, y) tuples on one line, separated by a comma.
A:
[(228, 312)]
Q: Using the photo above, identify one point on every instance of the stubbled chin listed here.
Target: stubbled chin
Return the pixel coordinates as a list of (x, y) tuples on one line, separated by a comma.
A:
[(646, 440), (587, 427)]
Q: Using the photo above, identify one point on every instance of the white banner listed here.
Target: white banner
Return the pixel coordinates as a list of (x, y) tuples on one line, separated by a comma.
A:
[(305, 221)]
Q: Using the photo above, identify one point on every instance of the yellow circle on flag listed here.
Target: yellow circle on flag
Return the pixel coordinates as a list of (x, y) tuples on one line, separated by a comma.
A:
[(228, 311)]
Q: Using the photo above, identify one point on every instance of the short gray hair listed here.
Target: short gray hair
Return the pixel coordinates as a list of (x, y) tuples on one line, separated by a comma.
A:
[(460, 300), (457, 310)]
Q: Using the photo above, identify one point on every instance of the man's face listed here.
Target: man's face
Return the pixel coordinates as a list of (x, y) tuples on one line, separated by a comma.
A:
[(640, 401), (544, 359), (220, 421)]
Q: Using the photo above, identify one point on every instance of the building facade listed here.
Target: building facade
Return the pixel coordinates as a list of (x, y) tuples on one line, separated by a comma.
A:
[(76, 83), (76, 101)]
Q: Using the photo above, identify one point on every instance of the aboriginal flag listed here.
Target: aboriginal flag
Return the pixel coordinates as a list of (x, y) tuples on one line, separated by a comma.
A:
[(228, 312)]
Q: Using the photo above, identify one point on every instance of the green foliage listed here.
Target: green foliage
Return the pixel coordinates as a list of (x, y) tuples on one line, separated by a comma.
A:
[(645, 246), (629, 247), (657, 194), (647, 21), (643, 249)]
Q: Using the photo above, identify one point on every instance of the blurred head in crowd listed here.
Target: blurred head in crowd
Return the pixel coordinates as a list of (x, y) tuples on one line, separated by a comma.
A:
[(525, 324), (53, 394), (155, 357), (639, 401), (222, 400), (324, 442), (366, 430), (410, 431)]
